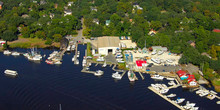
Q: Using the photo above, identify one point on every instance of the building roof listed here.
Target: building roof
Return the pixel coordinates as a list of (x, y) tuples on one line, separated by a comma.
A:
[(140, 62), (191, 77), (216, 30), (181, 72), (1, 3), (108, 41)]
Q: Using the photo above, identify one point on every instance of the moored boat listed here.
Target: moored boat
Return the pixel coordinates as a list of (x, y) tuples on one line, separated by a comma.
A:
[(6, 52), (131, 76), (171, 95), (116, 75), (11, 72), (98, 73), (15, 53), (158, 77)]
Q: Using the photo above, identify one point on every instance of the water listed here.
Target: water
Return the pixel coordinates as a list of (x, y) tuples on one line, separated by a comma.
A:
[(44, 87)]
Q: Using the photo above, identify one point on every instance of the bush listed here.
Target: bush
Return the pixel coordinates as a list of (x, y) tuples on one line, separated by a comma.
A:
[(48, 42)]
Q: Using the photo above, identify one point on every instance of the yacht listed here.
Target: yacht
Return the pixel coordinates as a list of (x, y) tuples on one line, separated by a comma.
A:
[(179, 100), (156, 76), (15, 53), (11, 72), (131, 76), (171, 95), (6, 52), (164, 91), (204, 93), (73, 58), (87, 68), (99, 73), (77, 61), (58, 63), (116, 75), (218, 102), (68, 48)]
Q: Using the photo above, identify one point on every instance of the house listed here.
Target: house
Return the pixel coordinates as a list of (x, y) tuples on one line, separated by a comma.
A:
[(2, 42), (25, 16), (152, 32), (67, 12), (55, 5), (182, 74), (191, 80), (43, 2), (192, 43), (141, 63), (136, 6), (51, 15), (107, 44), (93, 9), (216, 30), (206, 54), (1, 4), (107, 22), (70, 3), (96, 21)]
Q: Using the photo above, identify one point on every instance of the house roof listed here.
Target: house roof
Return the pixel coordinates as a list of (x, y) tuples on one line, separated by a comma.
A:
[(190, 42), (1, 3), (181, 72), (140, 62), (216, 30), (108, 41), (191, 77)]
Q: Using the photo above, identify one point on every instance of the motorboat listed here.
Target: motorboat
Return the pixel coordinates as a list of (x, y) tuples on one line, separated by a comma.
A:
[(68, 48), (170, 79), (58, 63), (171, 95), (179, 100), (160, 52), (156, 76), (131, 76), (78, 53), (11, 72), (171, 83), (77, 61), (204, 93), (189, 106), (213, 92), (210, 96), (26, 54), (99, 73), (49, 62), (218, 102), (164, 91), (199, 91), (84, 62), (73, 58), (87, 68), (15, 53), (6, 52), (116, 75)]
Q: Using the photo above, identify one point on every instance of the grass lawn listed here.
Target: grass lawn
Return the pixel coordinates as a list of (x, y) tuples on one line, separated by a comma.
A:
[(30, 42)]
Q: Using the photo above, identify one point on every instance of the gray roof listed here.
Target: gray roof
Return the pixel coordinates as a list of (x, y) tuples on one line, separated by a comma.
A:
[(108, 41), (1, 3)]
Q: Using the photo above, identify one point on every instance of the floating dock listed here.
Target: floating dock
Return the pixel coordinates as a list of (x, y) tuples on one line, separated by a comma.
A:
[(141, 75), (164, 97)]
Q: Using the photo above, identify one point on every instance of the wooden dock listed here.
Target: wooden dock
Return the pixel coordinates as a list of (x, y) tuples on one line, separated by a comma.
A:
[(141, 75), (164, 97), (123, 73), (85, 71), (75, 56)]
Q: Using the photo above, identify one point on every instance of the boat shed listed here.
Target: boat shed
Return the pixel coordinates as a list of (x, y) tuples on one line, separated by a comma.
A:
[(108, 44)]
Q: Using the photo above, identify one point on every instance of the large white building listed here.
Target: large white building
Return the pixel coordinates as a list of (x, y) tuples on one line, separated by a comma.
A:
[(107, 44)]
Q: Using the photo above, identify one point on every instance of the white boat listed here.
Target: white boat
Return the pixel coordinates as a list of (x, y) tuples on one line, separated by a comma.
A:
[(131, 76), (180, 100), (87, 68), (26, 54), (68, 48), (99, 73), (213, 92), (171, 83), (156, 76), (171, 95), (11, 72), (116, 75), (104, 65), (154, 52), (6, 52), (160, 52), (210, 96), (15, 53), (58, 63), (218, 102), (73, 58), (84, 62), (190, 104), (164, 91), (204, 93), (77, 62), (199, 91), (170, 79)]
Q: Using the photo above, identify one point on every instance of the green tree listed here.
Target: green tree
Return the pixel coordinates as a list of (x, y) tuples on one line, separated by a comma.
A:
[(57, 37), (9, 36)]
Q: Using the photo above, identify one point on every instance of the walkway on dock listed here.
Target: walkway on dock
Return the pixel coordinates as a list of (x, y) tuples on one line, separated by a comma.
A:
[(164, 97), (75, 56), (85, 71)]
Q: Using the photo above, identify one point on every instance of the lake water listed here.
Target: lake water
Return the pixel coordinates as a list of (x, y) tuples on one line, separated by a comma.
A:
[(40, 86)]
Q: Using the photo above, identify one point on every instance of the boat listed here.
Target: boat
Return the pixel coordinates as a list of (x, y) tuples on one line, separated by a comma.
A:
[(25, 54), (189, 106), (49, 62), (116, 75), (156, 60), (204, 93), (171, 95), (170, 79), (68, 48), (15, 53), (218, 102), (171, 83), (199, 91), (213, 92), (131, 76), (11, 72), (164, 91), (6, 52), (34, 56), (99, 73), (104, 65), (87, 68), (210, 96), (160, 52), (58, 63), (179, 100), (154, 52), (156, 76), (73, 58), (77, 61), (84, 62), (78, 53)]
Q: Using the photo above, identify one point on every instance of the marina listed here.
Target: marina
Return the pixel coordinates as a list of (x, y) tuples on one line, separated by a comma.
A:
[(107, 79)]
